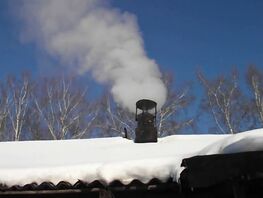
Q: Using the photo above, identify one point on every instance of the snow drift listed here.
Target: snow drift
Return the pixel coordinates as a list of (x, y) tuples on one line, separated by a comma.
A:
[(89, 35), (109, 159)]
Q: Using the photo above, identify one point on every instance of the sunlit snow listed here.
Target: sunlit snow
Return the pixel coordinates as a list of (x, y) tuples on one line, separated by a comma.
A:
[(109, 159)]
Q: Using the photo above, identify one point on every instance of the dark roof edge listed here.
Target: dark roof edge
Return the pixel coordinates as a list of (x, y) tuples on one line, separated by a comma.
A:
[(80, 187)]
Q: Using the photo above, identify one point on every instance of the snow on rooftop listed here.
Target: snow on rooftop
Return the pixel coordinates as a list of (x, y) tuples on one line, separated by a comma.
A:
[(109, 159)]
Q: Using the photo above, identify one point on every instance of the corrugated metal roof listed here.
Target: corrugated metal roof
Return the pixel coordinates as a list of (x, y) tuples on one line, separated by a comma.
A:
[(105, 159), (89, 164), (114, 185)]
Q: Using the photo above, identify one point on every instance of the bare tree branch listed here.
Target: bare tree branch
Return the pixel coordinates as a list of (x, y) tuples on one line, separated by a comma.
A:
[(19, 101), (223, 98), (65, 110), (255, 80)]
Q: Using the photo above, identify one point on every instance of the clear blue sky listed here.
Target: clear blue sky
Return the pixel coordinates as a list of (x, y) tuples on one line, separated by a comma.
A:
[(181, 35), (210, 34)]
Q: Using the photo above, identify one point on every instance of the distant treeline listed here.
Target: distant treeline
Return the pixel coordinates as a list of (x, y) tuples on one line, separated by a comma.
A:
[(60, 108)]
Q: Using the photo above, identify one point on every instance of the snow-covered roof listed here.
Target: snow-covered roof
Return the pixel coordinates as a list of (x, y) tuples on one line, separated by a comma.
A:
[(109, 159)]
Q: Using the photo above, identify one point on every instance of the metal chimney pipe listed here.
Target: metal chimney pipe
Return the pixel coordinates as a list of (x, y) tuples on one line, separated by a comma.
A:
[(146, 130)]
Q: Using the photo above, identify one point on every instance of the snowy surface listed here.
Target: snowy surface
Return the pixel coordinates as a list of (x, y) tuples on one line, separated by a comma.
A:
[(108, 159)]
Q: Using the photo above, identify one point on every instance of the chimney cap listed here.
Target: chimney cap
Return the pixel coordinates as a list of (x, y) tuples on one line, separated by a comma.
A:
[(145, 104)]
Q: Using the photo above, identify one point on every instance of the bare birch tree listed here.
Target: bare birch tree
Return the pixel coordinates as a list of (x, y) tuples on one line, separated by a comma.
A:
[(34, 124), (224, 101), (65, 109), (4, 104), (113, 119), (255, 81), (170, 118), (19, 99)]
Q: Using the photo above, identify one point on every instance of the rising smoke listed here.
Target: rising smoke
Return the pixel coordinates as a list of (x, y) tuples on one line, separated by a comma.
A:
[(89, 35)]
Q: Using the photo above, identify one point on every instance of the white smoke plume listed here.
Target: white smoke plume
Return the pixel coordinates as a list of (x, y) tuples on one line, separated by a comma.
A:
[(89, 35)]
